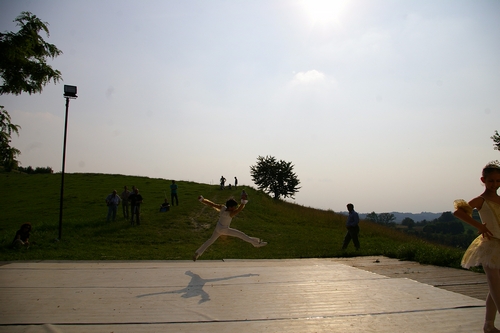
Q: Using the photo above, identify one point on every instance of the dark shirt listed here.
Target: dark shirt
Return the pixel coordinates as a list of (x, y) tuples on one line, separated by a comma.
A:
[(135, 199), (165, 207), (23, 235), (352, 219)]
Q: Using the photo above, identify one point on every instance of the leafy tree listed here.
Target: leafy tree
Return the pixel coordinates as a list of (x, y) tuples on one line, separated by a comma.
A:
[(447, 217), (496, 140), (23, 57), (422, 223), (275, 177), (23, 67), (382, 218), (445, 227), (429, 228), (409, 222), (372, 217), (454, 228), (8, 154), (386, 218)]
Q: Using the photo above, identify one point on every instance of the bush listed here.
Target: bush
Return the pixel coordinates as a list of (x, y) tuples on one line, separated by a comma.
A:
[(29, 170)]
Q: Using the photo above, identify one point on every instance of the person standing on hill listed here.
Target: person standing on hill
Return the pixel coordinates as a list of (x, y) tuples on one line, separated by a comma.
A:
[(222, 182), (112, 200), (485, 249), (352, 226), (227, 212), (173, 193), (235, 182), (124, 196), (135, 205)]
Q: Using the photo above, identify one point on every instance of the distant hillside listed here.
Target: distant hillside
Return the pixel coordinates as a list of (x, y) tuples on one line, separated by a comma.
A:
[(401, 216)]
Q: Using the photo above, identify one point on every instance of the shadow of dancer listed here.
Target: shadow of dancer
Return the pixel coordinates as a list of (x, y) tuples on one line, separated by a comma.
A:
[(195, 287)]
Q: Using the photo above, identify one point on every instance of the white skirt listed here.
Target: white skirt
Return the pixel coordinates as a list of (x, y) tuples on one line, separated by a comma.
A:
[(482, 252)]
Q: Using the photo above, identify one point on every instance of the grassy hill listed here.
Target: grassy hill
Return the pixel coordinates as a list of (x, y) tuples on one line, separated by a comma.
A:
[(292, 231)]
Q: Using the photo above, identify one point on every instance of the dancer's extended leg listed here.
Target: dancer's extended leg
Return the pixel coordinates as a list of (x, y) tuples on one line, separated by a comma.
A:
[(205, 245), (236, 233)]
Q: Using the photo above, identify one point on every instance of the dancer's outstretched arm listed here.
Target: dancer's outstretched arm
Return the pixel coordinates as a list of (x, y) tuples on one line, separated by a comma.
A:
[(209, 203)]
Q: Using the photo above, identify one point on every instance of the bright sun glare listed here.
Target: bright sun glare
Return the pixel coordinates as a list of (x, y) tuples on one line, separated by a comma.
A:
[(325, 12)]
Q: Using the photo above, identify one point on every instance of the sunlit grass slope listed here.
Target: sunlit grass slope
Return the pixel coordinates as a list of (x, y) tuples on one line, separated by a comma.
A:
[(292, 231)]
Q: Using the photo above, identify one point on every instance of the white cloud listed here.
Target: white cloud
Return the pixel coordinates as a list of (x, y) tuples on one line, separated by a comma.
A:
[(312, 76)]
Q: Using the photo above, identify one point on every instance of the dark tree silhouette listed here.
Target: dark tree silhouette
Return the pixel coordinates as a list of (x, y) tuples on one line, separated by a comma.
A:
[(496, 141), (23, 57), (8, 154), (23, 67), (276, 177)]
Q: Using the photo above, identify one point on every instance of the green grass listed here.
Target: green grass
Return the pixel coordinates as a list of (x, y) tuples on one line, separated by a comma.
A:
[(292, 231)]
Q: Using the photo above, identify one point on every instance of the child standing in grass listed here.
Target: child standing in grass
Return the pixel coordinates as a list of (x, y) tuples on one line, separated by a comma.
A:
[(227, 212), (485, 249)]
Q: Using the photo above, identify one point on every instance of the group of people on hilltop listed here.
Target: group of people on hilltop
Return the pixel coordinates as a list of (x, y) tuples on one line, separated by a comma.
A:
[(127, 198), (223, 183), (131, 202)]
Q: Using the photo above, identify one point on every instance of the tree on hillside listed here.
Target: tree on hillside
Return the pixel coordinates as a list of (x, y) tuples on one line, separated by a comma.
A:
[(382, 218), (409, 222), (448, 227), (8, 154), (447, 217), (372, 217), (496, 141), (386, 218), (23, 57), (275, 177)]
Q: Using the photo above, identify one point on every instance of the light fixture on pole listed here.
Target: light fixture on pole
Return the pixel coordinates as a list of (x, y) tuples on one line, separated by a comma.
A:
[(69, 93)]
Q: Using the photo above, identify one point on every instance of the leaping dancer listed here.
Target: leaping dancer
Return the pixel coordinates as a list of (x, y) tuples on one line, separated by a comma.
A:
[(227, 212)]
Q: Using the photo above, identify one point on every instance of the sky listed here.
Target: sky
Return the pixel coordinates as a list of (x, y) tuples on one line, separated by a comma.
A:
[(387, 104)]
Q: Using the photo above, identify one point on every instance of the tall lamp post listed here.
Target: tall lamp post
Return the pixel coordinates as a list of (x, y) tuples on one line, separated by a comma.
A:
[(69, 93)]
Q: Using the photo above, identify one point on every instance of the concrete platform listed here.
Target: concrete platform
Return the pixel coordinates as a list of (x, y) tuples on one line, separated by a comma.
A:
[(303, 295)]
